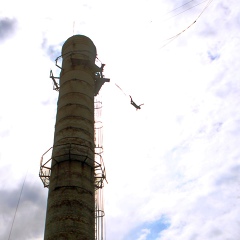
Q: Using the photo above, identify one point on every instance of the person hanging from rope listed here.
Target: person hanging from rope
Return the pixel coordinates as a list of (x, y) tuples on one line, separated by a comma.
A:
[(135, 105)]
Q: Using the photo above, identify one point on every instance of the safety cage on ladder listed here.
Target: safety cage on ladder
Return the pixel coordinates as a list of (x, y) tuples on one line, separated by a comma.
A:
[(100, 172)]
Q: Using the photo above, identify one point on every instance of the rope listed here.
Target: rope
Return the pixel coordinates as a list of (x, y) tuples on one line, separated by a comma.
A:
[(180, 6), (121, 90), (184, 10), (177, 35), (17, 206)]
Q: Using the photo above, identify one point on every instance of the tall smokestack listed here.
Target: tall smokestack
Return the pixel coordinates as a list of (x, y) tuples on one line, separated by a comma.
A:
[(71, 198)]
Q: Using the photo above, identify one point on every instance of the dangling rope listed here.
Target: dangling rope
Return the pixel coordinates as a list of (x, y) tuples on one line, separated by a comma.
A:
[(17, 206)]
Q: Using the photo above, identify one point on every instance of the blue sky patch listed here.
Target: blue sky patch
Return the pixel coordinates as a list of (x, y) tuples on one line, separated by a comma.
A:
[(150, 229)]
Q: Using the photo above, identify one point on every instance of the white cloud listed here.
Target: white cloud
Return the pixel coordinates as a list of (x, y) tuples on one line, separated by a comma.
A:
[(144, 234), (177, 157)]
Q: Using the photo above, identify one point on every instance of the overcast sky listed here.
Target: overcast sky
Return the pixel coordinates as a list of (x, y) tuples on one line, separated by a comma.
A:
[(173, 167)]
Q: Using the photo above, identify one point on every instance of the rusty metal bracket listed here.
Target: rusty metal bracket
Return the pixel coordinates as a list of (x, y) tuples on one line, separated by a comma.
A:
[(55, 84), (100, 80)]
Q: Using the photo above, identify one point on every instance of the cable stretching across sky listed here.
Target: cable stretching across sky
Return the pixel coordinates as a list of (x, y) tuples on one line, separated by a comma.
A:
[(17, 205), (184, 10), (177, 35)]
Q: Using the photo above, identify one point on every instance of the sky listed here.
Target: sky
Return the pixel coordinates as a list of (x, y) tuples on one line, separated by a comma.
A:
[(173, 167)]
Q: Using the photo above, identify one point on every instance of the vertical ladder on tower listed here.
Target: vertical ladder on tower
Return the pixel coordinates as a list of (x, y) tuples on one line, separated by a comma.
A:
[(100, 173)]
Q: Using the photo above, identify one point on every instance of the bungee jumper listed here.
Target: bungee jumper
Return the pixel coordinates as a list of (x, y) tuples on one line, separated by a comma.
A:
[(135, 105)]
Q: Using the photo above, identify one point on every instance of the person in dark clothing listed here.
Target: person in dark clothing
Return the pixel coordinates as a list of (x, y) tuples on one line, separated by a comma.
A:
[(135, 105)]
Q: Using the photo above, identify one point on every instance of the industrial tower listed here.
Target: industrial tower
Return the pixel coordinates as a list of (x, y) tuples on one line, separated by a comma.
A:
[(74, 172)]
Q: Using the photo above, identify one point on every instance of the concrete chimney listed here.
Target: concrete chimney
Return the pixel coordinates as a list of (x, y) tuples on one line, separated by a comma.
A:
[(71, 198)]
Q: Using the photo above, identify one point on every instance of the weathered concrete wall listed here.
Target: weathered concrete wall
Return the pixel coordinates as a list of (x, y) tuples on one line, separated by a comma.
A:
[(70, 208)]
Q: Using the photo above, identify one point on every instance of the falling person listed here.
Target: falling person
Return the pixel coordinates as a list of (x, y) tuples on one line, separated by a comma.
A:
[(134, 104)]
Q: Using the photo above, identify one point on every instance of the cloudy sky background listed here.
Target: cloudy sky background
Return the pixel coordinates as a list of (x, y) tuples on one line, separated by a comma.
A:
[(172, 167)]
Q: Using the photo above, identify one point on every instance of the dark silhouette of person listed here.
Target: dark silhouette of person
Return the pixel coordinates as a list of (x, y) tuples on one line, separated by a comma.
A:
[(135, 105)]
